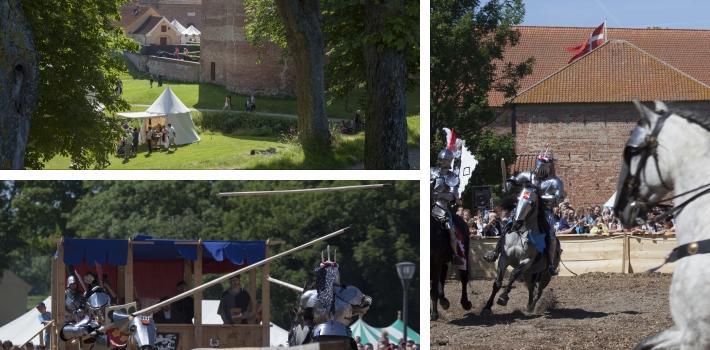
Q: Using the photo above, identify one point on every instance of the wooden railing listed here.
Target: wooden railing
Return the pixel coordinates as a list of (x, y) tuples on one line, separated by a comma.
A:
[(622, 253)]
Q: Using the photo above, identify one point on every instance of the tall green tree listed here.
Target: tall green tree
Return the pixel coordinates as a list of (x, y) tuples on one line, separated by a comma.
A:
[(371, 52), (19, 77), (467, 44), (384, 227), (80, 59), (301, 21)]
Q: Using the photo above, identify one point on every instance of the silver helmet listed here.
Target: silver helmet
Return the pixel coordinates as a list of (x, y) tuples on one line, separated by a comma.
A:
[(544, 165), (71, 280), (445, 158)]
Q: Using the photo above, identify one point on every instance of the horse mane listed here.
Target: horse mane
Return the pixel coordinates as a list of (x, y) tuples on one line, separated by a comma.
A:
[(693, 117)]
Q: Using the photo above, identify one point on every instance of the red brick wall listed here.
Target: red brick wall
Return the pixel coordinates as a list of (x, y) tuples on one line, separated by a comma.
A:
[(587, 141), (239, 66)]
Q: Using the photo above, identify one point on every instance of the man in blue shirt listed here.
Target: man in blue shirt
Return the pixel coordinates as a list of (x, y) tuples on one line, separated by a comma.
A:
[(44, 317)]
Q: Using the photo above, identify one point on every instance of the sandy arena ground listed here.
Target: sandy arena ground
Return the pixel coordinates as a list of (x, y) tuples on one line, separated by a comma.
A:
[(589, 311)]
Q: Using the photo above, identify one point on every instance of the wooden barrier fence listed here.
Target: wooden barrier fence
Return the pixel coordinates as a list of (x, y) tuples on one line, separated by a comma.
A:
[(622, 253)]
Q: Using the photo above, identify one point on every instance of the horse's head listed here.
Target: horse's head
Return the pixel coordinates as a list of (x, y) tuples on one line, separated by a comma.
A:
[(643, 180)]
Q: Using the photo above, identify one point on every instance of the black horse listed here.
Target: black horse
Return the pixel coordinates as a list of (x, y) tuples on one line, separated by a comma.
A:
[(441, 254)]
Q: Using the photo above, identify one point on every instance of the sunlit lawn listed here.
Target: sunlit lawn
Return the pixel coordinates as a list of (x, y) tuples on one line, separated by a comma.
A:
[(219, 151), (210, 96)]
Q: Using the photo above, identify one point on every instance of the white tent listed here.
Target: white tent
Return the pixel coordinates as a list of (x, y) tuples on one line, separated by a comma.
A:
[(167, 109), (22, 328), (191, 30), (179, 27), (190, 35)]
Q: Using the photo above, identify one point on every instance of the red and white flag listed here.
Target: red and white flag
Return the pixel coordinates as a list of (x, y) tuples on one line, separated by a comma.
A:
[(596, 39)]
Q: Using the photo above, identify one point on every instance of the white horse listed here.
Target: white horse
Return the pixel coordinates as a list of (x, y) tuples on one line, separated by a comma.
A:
[(670, 151)]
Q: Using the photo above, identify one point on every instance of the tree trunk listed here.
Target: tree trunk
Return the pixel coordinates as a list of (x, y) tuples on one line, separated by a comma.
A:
[(386, 120), (19, 79), (301, 20)]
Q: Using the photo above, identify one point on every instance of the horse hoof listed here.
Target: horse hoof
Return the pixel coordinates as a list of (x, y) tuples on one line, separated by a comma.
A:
[(502, 301), (434, 316), (486, 311), (466, 305), (444, 303), (531, 309)]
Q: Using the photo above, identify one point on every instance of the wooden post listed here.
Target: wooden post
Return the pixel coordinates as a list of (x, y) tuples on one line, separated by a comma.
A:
[(197, 343), (128, 274), (61, 286), (265, 300), (252, 294), (626, 256), (187, 273), (55, 304)]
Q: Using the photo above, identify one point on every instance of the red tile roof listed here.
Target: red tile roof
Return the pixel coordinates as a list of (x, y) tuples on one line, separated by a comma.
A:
[(617, 71), (687, 50), (130, 12)]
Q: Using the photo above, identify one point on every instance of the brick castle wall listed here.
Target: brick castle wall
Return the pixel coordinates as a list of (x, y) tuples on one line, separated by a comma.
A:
[(587, 141), (236, 64)]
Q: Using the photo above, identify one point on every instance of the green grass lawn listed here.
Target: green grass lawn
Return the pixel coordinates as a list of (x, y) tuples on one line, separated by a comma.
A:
[(137, 90), (33, 300), (219, 151)]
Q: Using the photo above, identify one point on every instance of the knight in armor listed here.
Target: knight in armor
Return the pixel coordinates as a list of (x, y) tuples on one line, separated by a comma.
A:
[(328, 309), (73, 300), (445, 194), (551, 191)]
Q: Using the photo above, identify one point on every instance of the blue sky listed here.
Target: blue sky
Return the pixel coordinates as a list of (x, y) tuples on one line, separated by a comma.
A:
[(619, 13)]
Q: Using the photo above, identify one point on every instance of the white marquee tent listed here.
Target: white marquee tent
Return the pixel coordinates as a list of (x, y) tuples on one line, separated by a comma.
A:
[(167, 109), (190, 35), (22, 328), (179, 27)]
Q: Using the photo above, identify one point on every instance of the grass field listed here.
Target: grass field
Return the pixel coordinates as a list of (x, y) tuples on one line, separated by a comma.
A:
[(137, 90), (219, 151)]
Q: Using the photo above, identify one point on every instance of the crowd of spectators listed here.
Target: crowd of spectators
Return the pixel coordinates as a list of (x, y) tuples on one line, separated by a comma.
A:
[(383, 343), (595, 220), (7, 345)]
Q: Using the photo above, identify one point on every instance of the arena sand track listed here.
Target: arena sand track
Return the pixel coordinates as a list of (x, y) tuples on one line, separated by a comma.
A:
[(589, 311)]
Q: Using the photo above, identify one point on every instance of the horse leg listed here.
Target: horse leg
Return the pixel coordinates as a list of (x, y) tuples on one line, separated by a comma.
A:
[(434, 293), (442, 282), (463, 277), (668, 339), (500, 274), (503, 298)]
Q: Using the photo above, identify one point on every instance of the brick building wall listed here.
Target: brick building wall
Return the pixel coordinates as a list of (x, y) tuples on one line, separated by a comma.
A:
[(228, 59), (587, 141)]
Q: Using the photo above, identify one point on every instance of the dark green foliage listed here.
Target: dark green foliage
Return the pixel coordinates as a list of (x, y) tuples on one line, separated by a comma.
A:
[(384, 228), (243, 123), (343, 25), (80, 55), (467, 43)]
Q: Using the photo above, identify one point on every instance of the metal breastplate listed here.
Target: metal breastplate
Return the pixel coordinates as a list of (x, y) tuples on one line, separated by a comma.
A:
[(444, 187), (551, 192), (349, 302)]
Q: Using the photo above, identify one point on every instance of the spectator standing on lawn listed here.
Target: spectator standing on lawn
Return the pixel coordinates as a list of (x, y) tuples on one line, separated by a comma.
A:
[(171, 136)]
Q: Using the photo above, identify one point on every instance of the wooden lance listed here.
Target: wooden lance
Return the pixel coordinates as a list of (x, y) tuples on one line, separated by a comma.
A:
[(156, 307)]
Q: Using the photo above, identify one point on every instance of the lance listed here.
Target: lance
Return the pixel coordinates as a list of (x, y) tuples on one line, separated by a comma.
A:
[(156, 307), (303, 190)]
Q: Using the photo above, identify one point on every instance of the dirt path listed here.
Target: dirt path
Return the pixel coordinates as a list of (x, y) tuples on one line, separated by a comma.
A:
[(590, 311)]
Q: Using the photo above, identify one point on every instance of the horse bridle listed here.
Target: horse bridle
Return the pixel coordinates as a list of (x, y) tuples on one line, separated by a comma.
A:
[(646, 145)]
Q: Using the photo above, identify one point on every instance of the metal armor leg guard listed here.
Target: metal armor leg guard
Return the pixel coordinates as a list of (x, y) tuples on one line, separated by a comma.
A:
[(551, 254), (492, 255)]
